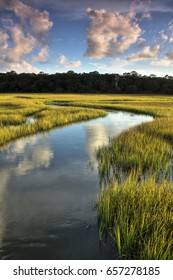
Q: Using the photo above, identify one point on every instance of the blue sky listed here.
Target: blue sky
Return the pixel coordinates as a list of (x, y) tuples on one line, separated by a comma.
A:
[(109, 36)]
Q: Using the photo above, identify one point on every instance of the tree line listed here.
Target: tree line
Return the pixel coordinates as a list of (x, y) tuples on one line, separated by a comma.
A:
[(93, 82)]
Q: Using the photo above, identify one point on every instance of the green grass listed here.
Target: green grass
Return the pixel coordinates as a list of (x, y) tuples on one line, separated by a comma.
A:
[(14, 113), (135, 210), (140, 149), (139, 217)]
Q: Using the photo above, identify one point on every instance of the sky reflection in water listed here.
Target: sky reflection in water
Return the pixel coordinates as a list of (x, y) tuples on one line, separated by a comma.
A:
[(48, 186)]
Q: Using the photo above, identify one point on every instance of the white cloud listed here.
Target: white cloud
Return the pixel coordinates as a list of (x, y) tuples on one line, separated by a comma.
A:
[(170, 29), (20, 67), (147, 53), (11, 58), (62, 60), (3, 40), (110, 33), (42, 55), (39, 21), (18, 40), (162, 62), (163, 35), (167, 60), (22, 45)]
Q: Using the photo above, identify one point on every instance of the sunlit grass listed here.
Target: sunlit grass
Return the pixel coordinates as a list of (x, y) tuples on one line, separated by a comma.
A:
[(142, 149), (14, 113), (139, 217), (135, 210)]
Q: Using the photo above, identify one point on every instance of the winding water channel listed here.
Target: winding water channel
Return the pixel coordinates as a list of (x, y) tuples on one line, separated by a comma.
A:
[(48, 187)]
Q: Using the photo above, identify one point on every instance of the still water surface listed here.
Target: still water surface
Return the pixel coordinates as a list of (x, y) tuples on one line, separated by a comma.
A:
[(48, 188)]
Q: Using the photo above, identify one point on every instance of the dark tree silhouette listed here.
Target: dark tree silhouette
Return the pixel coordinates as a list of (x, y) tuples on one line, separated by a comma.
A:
[(92, 82)]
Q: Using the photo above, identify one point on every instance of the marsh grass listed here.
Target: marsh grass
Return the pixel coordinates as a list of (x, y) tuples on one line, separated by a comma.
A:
[(139, 217), (135, 150), (136, 207), (14, 113)]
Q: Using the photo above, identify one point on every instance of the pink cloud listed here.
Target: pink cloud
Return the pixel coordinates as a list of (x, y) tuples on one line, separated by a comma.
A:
[(42, 55), (30, 32), (110, 33), (39, 21), (64, 61), (147, 53)]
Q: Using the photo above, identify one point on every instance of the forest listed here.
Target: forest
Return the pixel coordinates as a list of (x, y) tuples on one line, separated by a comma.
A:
[(93, 82)]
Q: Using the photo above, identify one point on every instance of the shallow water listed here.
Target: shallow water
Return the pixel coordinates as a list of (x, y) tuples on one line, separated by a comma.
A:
[(48, 188)]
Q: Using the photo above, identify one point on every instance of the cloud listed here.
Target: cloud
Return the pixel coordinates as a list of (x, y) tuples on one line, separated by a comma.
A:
[(62, 60), (12, 57), (76, 8), (146, 15), (163, 35), (164, 62), (42, 56), (147, 53), (141, 42), (3, 40), (141, 7), (21, 34), (110, 33), (39, 21), (22, 45), (167, 60), (118, 65), (170, 29), (20, 67)]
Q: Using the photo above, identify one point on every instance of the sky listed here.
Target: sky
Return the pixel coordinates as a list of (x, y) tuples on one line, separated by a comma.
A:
[(109, 36)]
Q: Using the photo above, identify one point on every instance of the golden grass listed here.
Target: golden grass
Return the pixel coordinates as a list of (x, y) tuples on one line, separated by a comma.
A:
[(14, 111), (137, 211), (139, 217)]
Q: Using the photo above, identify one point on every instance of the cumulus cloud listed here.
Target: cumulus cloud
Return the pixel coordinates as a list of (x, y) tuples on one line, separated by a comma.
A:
[(12, 57), (42, 56), (39, 21), (22, 45), (62, 60), (21, 36), (110, 33), (147, 53), (20, 67), (3, 40)]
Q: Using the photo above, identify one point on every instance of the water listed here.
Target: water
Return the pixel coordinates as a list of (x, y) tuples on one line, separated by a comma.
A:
[(48, 188)]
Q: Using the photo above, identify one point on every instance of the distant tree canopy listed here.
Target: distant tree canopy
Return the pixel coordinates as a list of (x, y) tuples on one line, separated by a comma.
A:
[(92, 82)]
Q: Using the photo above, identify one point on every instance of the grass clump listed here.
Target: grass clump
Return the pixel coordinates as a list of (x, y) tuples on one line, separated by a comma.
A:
[(139, 217), (136, 149)]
